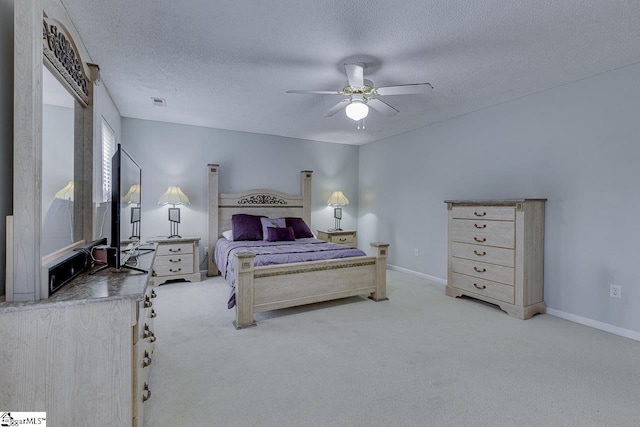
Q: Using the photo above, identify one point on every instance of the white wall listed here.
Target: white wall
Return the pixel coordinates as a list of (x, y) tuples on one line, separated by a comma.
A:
[(172, 154), (6, 127), (577, 145)]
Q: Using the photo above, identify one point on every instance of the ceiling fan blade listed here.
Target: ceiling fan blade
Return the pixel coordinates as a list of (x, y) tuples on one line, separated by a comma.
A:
[(382, 107), (355, 74), (339, 106), (404, 89), (315, 92)]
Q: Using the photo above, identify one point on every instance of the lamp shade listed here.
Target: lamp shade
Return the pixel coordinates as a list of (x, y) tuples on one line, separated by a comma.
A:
[(66, 192), (133, 195), (173, 196), (357, 110), (337, 198)]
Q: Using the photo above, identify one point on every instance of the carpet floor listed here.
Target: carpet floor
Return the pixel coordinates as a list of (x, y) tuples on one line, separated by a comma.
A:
[(419, 359)]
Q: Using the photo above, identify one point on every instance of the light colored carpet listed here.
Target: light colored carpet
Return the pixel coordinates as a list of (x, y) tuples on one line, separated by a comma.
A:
[(419, 359)]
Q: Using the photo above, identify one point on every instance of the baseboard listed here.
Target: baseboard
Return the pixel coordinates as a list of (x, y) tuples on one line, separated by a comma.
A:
[(435, 279), (626, 333)]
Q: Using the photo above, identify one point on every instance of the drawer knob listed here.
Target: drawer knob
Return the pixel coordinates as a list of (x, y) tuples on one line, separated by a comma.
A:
[(175, 271), (479, 287), (483, 253), (479, 214), (148, 334), (146, 360), (480, 226), (480, 240), (479, 270), (175, 260), (146, 394), (175, 250)]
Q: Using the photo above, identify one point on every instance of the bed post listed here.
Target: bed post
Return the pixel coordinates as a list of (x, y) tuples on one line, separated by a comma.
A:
[(306, 196), (212, 270), (244, 290), (380, 293)]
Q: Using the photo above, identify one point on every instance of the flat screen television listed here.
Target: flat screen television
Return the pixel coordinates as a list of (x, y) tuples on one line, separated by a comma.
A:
[(126, 196)]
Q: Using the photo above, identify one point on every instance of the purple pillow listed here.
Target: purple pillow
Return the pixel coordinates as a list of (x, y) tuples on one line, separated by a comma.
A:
[(271, 222), (280, 233), (300, 228), (246, 227)]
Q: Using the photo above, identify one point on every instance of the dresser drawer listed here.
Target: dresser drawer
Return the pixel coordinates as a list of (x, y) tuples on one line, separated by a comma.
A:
[(499, 213), (173, 264), (486, 288), (482, 270), (490, 233), (490, 254), (174, 249)]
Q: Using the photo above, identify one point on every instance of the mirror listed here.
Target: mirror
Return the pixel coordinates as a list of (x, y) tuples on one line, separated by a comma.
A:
[(58, 134)]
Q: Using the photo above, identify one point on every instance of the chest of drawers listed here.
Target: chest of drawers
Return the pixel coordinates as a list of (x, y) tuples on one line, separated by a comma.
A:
[(496, 253)]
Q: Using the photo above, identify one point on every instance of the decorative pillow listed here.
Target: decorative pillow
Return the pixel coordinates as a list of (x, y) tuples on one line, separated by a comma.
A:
[(300, 228), (275, 234), (271, 222), (246, 227), (228, 235)]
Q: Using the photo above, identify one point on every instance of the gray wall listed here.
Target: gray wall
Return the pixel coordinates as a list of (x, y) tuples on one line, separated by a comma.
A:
[(6, 127), (172, 154), (577, 145)]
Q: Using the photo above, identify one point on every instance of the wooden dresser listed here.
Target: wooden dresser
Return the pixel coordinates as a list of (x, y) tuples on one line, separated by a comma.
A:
[(84, 354), (496, 253)]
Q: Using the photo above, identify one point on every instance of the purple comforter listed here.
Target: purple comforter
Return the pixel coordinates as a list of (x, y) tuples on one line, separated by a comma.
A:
[(268, 253)]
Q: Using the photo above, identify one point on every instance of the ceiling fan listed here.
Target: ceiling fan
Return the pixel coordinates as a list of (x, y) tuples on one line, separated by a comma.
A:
[(362, 94)]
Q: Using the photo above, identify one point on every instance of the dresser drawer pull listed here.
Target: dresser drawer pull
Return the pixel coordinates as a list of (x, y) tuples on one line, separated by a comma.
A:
[(479, 270), (146, 360), (175, 271), (480, 240), (146, 394), (148, 334), (175, 260), (175, 250), (343, 239), (479, 214), (147, 302), (153, 313), (480, 226), (479, 287), (153, 294), (483, 253)]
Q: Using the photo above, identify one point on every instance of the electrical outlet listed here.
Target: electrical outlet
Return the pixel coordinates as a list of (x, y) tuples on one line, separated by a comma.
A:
[(615, 291), (415, 252), (206, 252)]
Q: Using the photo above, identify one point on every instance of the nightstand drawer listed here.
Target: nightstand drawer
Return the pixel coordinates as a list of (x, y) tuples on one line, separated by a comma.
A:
[(343, 239), (173, 264), (175, 249)]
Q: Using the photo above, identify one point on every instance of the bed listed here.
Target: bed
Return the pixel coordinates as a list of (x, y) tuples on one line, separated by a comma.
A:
[(275, 286)]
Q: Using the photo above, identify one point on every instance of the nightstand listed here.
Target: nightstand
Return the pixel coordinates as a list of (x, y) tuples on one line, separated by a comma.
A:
[(344, 237), (176, 258)]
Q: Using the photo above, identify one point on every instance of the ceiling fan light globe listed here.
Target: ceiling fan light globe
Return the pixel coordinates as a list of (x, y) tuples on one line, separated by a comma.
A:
[(357, 110)]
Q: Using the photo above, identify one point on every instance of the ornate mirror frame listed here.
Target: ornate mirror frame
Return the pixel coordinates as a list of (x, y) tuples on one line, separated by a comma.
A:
[(45, 36)]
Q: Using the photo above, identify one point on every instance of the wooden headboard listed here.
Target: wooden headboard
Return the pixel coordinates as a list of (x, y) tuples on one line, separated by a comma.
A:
[(271, 203)]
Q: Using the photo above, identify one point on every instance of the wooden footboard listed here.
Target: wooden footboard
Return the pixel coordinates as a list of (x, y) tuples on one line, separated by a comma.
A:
[(279, 286)]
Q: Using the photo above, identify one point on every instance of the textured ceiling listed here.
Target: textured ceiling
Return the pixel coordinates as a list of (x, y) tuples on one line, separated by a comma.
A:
[(227, 64)]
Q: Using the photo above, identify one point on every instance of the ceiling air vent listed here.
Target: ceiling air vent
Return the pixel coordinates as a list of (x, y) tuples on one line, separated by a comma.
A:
[(159, 102)]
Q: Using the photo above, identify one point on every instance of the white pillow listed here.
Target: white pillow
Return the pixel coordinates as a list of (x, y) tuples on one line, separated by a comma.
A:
[(271, 222), (228, 235)]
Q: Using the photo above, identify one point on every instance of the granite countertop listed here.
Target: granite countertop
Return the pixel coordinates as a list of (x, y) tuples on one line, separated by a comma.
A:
[(107, 284)]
